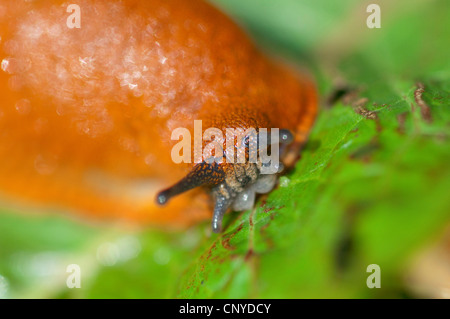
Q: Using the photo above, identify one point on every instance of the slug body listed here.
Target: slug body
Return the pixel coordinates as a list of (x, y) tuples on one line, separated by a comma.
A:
[(87, 114)]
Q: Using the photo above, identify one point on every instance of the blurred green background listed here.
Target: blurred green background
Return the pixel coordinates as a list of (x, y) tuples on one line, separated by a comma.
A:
[(372, 186)]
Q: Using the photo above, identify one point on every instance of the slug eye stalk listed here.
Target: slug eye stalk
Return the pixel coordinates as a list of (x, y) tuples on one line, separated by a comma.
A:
[(201, 174)]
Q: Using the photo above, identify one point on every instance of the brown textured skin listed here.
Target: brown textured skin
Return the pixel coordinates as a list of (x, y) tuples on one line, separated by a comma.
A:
[(83, 142)]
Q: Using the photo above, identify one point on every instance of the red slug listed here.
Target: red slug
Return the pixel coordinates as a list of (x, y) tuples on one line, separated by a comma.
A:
[(87, 112)]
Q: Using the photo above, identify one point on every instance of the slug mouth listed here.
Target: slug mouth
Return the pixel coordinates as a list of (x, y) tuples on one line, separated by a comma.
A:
[(234, 185)]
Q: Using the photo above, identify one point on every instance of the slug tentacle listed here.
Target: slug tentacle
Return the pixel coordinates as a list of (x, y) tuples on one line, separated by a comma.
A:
[(223, 201), (284, 137), (201, 174)]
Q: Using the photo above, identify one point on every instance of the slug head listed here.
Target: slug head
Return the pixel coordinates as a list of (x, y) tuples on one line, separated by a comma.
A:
[(233, 185)]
